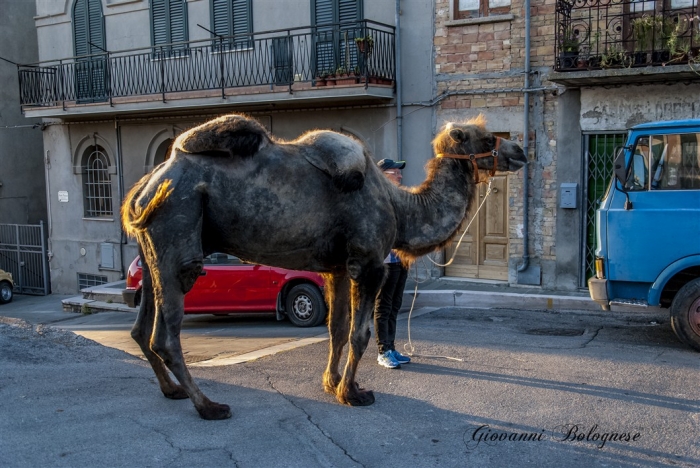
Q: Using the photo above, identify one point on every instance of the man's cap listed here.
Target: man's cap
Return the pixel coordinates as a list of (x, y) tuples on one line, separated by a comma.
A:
[(386, 164)]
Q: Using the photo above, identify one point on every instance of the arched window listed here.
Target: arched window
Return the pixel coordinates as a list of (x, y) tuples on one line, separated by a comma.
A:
[(97, 183), (163, 152)]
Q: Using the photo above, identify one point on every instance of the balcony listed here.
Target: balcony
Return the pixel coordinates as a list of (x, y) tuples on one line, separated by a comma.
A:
[(626, 41), (311, 66)]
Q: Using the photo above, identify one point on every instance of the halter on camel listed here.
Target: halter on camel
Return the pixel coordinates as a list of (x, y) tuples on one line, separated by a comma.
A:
[(473, 157)]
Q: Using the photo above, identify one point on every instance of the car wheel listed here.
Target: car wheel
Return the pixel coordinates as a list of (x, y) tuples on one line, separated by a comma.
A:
[(305, 306), (685, 314), (5, 292)]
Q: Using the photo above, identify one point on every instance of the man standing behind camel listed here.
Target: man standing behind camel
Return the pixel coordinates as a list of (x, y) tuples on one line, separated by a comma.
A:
[(391, 294)]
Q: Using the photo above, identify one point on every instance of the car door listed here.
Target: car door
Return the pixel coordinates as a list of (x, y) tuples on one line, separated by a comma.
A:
[(227, 284)]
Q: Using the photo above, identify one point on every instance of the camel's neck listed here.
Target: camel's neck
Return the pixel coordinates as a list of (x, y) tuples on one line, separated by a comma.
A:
[(429, 216)]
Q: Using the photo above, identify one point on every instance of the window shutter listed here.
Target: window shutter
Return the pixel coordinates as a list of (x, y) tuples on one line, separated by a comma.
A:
[(178, 20), (347, 11), (159, 18), (241, 23), (221, 17), (324, 12), (95, 25), (80, 29), (169, 21)]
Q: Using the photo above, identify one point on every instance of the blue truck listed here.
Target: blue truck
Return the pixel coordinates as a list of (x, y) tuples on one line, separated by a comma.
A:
[(648, 226)]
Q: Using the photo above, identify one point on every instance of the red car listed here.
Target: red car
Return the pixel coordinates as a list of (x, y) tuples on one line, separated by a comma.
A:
[(227, 285)]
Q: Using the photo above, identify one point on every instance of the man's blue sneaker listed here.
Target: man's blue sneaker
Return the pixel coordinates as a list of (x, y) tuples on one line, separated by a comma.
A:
[(387, 360), (400, 358)]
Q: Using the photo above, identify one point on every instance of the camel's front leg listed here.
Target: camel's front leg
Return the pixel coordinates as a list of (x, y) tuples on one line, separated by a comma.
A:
[(142, 331), (366, 283), (338, 300), (170, 309)]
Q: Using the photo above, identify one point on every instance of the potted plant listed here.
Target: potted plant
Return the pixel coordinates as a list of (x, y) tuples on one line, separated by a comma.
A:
[(322, 78), (569, 49), (643, 33), (342, 77), (365, 44)]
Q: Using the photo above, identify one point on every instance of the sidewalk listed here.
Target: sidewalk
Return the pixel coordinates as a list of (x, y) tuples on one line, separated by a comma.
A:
[(438, 292)]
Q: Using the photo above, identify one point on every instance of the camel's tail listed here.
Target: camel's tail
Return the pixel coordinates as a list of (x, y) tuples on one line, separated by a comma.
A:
[(135, 218)]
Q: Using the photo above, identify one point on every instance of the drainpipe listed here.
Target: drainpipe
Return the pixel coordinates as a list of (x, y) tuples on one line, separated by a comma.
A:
[(120, 191), (526, 139), (399, 103)]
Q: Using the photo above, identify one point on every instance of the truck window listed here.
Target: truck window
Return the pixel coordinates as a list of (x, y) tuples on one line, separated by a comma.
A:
[(665, 162)]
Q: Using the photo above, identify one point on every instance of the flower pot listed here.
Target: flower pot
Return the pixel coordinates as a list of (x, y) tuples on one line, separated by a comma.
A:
[(346, 80), (640, 58)]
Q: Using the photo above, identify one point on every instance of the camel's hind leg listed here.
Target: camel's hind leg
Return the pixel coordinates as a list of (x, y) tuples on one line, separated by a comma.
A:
[(367, 279), (338, 299), (170, 286), (141, 333)]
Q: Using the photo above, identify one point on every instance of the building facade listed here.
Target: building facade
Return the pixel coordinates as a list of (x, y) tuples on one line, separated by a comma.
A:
[(567, 79), (22, 187), (118, 80)]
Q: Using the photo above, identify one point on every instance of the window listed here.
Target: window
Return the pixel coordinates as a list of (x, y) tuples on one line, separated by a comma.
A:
[(168, 25), (232, 18), (97, 183), (332, 42), (478, 8), (665, 162), (89, 44)]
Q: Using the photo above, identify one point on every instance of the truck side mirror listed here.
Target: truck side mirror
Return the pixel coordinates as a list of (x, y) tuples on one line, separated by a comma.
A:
[(619, 166)]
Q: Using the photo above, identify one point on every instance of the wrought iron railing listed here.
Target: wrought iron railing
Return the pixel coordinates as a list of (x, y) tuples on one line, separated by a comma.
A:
[(347, 53), (597, 34)]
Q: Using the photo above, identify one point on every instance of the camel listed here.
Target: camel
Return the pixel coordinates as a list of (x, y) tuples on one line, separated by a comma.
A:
[(318, 203)]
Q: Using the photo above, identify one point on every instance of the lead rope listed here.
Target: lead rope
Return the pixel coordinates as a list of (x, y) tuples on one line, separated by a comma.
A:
[(408, 347)]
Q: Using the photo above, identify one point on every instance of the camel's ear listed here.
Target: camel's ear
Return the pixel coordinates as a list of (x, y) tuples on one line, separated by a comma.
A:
[(457, 135)]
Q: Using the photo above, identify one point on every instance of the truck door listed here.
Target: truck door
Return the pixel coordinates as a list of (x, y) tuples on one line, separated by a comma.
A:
[(663, 224)]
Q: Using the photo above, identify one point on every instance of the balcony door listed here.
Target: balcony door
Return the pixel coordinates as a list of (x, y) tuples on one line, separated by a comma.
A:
[(334, 41), (90, 44)]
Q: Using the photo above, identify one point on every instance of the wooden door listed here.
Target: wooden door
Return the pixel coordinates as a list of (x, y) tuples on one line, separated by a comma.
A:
[(483, 253)]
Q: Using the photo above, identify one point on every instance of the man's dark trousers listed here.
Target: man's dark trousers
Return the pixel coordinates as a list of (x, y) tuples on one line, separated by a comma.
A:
[(388, 306)]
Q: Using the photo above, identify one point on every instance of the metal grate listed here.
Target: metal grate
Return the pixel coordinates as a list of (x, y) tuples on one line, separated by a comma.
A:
[(599, 155), (97, 188), (86, 280)]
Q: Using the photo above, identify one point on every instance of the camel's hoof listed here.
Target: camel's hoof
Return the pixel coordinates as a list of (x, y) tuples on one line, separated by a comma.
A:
[(328, 388), (362, 398), (330, 384), (215, 411), (358, 397), (178, 393)]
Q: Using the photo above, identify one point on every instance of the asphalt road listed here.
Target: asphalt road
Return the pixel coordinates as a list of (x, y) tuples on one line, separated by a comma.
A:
[(510, 388)]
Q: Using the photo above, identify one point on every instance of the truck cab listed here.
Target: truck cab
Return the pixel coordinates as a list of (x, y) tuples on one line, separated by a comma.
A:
[(648, 226)]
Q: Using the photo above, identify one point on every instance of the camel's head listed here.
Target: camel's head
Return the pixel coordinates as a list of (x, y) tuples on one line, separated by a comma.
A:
[(462, 140)]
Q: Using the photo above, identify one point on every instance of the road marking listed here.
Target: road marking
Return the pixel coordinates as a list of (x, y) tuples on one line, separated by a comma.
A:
[(260, 353)]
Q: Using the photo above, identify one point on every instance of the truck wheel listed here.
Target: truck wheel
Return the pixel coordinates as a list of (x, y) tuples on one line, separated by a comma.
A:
[(305, 306), (5, 292), (685, 314)]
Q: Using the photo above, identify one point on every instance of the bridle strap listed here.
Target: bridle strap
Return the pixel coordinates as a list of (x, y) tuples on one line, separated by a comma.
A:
[(473, 157)]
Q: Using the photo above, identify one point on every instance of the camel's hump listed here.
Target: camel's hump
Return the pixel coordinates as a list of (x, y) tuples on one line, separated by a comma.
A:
[(338, 155), (235, 135)]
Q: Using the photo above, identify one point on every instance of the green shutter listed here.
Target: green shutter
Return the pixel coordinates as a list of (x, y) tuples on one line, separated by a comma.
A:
[(168, 21), (348, 10), (221, 17), (324, 12), (89, 38)]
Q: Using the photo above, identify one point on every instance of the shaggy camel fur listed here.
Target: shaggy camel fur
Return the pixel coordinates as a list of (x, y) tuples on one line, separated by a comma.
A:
[(318, 203)]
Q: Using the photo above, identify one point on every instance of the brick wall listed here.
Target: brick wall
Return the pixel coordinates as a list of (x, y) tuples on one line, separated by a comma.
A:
[(482, 58)]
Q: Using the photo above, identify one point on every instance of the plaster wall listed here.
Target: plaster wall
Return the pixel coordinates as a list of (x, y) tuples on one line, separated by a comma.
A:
[(623, 107), (568, 238), (22, 194)]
